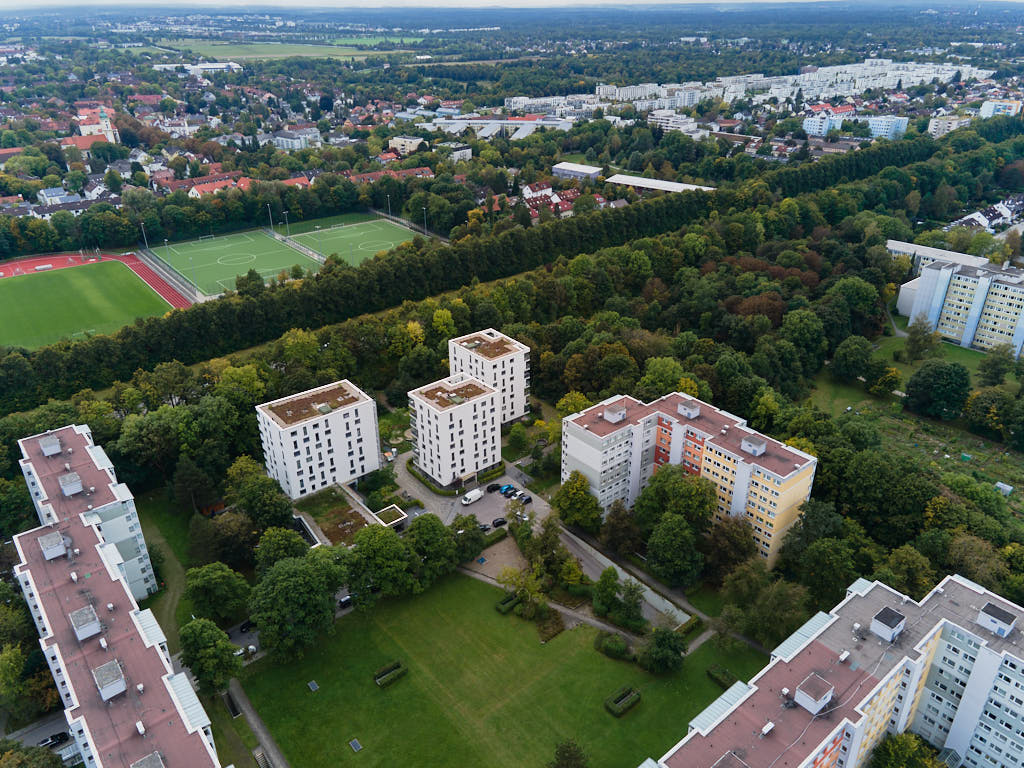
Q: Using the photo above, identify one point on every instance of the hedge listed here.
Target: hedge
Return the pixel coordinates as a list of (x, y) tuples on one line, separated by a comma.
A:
[(507, 603), (491, 474), (722, 676), (495, 536), (388, 674), (415, 472), (620, 702), (692, 625), (612, 645)]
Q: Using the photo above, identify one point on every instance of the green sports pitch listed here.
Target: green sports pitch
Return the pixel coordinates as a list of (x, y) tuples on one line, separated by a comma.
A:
[(43, 307), (357, 242), (213, 263)]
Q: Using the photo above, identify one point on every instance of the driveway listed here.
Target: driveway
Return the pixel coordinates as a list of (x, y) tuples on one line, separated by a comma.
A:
[(35, 732)]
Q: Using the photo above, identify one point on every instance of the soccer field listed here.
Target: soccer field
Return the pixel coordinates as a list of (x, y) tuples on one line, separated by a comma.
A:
[(355, 243), (213, 264), (43, 307)]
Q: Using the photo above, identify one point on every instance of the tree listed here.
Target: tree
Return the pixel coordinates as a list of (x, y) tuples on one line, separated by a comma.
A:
[(576, 505), (619, 533), (293, 604), (12, 676), (379, 562), (938, 389), (674, 490), (631, 603), (729, 543), (605, 596), (258, 496), (993, 367), (216, 591), (827, 571), (978, 560), (524, 583), (851, 358), (518, 440), (277, 544), (209, 654), (746, 582), (907, 570), (778, 611), (663, 652), (922, 341), (14, 755), (661, 376), (572, 402), (433, 548), (469, 539), (112, 181), (672, 551), (903, 750), (193, 488), (569, 754)]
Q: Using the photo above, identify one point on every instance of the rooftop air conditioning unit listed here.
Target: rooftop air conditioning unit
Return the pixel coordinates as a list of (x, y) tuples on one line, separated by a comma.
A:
[(768, 728), (67, 467), (140, 728), (843, 657), (74, 577), (103, 643)]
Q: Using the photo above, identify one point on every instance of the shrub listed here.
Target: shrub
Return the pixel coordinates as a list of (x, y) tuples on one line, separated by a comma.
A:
[(491, 474), (388, 674), (612, 645), (507, 603), (722, 676), (495, 536), (692, 626), (415, 472), (620, 702)]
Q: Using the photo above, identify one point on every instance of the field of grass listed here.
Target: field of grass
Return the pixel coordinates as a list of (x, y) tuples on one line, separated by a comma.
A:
[(44, 307), (234, 738), (392, 426), (218, 51), (481, 690), (355, 243), (707, 599), (214, 264), (310, 225), (375, 40)]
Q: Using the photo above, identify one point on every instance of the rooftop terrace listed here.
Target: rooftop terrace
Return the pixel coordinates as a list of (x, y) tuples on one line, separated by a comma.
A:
[(314, 403), (489, 343), (453, 391)]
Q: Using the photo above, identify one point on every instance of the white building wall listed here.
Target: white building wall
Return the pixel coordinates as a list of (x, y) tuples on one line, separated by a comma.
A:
[(508, 374)]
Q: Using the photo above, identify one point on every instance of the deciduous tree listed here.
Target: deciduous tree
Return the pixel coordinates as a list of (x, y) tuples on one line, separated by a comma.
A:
[(216, 592), (576, 505), (292, 605), (277, 544), (209, 654), (672, 553)]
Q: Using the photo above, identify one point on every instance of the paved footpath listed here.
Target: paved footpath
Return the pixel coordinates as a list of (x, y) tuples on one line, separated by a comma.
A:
[(270, 748)]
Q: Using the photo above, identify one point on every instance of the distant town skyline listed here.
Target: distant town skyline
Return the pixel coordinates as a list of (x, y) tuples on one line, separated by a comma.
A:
[(322, 4)]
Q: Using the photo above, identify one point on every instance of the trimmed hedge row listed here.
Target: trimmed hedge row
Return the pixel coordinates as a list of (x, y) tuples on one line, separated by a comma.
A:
[(415, 472), (495, 536), (507, 603), (612, 645), (388, 674), (691, 626), (722, 676), (491, 474), (623, 700)]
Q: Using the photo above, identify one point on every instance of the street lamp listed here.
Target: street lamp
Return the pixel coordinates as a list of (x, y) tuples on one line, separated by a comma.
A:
[(424, 219), (271, 217), (144, 238), (287, 228), (389, 206), (319, 239)]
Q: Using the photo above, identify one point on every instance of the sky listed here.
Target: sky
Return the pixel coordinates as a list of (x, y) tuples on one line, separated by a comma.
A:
[(20, 5)]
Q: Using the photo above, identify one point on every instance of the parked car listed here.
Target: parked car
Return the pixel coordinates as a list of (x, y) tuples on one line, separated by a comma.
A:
[(506, 488), (484, 527), (474, 495), (247, 626), (493, 487), (54, 740), (512, 491), (498, 522), (345, 602), (526, 498)]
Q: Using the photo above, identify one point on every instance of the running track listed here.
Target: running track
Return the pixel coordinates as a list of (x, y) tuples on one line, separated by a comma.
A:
[(61, 261)]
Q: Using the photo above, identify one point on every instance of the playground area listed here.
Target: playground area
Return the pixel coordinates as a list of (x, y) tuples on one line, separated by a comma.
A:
[(212, 263), (354, 242)]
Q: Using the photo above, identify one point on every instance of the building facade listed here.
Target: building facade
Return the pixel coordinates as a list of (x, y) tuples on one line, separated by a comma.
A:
[(576, 171), (405, 145), (68, 476), (123, 702), (318, 438), (1008, 107), (949, 668), (618, 444), (940, 126), (500, 362), (456, 426)]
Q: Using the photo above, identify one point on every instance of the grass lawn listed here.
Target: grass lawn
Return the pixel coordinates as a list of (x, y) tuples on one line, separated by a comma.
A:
[(392, 426), (375, 40), (43, 307), (707, 599), (952, 353), (355, 242), (481, 690), (218, 51), (310, 225), (234, 738), (213, 264)]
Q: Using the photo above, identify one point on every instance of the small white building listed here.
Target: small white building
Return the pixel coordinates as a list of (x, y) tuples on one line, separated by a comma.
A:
[(456, 428), (406, 145), (320, 437), (499, 361), (460, 152), (575, 171)]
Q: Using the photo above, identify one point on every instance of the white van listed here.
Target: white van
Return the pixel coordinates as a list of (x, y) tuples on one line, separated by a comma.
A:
[(474, 495)]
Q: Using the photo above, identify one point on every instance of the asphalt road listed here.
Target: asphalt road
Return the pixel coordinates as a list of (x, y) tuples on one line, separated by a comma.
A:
[(32, 734)]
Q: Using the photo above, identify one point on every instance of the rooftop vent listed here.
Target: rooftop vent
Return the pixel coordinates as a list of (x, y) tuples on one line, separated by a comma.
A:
[(996, 620), (888, 624), (109, 679), (768, 728), (85, 622), (615, 414), (110, 607), (755, 445), (103, 643), (70, 484), (49, 445), (52, 545), (814, 693), (689, 410), (140, 688), (140, 728)]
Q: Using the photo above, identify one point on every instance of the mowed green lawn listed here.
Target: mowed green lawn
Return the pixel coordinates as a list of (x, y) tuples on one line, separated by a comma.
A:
[(356, 243), (43, 307), (239, 51), (481, 690)]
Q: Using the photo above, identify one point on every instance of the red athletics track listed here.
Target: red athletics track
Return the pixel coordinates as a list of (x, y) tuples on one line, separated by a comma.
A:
[(166, 291)]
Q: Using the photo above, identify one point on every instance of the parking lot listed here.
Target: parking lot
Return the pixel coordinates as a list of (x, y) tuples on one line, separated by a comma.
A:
[(492, 505)]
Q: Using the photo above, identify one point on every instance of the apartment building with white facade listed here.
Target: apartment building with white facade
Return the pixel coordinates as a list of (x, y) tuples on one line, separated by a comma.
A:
[(949, 668), (124, 704), (456, 426), (318, 438), (500, 362), (619, 443), (69, 476)]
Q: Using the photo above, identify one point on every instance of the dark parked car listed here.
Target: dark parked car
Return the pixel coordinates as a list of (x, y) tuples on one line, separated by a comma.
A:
[(484, 527), (54, 740), (345, 602), (493, 487), (512, 491), (526, 499), (247, 626), (498, 522)]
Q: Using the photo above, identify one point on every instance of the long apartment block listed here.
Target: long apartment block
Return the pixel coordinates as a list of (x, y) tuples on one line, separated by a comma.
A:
[(949, 668), (125, 706), (456, 427), (320, 437), (68, 475), (500, 362), (619, 443)]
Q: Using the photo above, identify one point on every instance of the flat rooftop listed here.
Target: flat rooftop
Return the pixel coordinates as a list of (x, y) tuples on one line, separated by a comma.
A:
[(489, 343), (313, 403), (453, 391), (777, 458), (659, 184), (73, 458)]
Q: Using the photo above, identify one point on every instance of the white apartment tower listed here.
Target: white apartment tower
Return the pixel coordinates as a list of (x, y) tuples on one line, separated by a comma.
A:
[(70, 477), (500, 362), (456, 428), (320, 437)]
